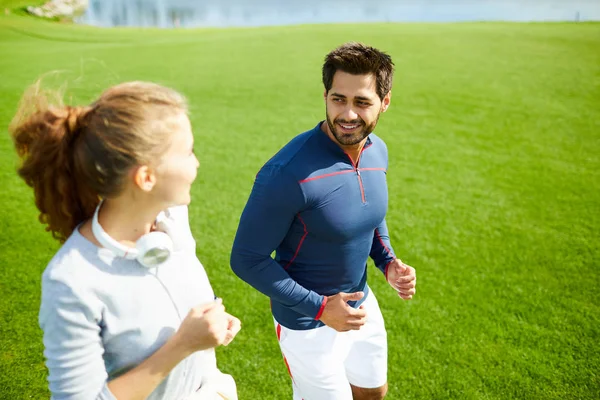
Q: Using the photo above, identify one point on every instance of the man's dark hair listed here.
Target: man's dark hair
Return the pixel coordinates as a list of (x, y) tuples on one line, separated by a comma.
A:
[(358, 59)]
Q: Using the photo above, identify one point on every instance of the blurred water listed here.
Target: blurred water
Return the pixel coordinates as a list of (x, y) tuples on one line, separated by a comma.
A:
[(221, 13)]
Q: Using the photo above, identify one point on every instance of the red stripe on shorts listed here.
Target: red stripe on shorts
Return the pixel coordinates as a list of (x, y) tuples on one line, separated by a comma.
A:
[(284, 359)]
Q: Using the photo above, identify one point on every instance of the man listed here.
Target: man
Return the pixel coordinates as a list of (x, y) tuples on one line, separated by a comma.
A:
[(320, 203)]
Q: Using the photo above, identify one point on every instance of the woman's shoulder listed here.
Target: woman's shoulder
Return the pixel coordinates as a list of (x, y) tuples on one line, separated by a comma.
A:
[(75, 261), (71, 284)]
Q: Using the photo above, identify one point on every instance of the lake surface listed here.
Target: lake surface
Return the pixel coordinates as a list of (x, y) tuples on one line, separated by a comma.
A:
[(223, 13)]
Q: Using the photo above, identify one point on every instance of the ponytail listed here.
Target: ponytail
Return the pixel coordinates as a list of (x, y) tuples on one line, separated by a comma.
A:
[(72, 156), (46, 138)]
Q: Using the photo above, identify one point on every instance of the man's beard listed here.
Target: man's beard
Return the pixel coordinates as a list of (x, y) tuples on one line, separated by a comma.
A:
[(349, 139)]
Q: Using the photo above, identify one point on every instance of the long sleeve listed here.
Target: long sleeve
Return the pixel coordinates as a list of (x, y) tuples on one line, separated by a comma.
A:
[(73, 347), (273, 204), (382, 252)]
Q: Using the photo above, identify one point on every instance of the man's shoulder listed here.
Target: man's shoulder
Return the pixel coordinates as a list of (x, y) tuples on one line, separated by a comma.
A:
[(377, 146), (377, 141), (291, 154)]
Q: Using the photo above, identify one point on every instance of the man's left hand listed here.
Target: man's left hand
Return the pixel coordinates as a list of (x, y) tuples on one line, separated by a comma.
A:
[(403, 278)]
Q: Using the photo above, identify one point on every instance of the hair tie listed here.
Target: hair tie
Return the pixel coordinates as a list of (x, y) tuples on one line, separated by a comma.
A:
[(73, 120)]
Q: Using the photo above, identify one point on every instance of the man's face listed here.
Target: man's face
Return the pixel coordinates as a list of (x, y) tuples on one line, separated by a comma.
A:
[(353, 107)]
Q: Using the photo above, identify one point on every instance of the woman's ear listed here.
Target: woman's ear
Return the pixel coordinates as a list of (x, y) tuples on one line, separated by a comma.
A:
[(144, 178)]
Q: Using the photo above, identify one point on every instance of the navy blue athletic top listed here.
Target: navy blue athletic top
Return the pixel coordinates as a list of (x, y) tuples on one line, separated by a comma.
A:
[(323, 216)]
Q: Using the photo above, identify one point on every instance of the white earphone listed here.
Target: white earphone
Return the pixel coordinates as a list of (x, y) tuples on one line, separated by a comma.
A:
[(151, 250)]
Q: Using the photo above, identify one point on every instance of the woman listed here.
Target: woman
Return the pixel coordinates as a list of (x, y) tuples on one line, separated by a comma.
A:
[(127, 309)]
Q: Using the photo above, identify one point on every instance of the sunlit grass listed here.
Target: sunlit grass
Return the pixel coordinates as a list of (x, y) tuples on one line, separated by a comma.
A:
[(494, 141)]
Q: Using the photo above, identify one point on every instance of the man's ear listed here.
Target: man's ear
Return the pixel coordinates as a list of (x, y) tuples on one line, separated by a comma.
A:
[(385, 104), (144, 178)]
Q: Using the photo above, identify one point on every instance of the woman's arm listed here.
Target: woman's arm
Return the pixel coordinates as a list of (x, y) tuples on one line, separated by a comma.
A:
[(204, 327), (74, 349)]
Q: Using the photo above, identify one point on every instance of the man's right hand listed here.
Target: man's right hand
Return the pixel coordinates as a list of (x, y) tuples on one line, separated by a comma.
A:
[(340, 316)]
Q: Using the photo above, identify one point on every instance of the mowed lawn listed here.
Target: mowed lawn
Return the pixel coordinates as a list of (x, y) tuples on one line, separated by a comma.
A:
[(494, 181)]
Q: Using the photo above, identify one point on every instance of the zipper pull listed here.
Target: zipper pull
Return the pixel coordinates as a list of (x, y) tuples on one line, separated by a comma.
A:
[(357, 171)]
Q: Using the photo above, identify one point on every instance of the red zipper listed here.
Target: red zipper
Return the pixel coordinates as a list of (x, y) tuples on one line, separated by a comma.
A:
[(362, 189), (360, 183)]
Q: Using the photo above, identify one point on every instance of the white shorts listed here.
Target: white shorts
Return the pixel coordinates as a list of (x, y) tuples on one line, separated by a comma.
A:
[(323, 362)]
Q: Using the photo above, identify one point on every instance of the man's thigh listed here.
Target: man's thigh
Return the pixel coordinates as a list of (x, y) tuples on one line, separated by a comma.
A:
[(315, 359), (366, 364)]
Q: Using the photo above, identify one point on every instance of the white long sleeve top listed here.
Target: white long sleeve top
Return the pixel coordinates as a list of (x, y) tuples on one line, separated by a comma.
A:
[(103, 315)]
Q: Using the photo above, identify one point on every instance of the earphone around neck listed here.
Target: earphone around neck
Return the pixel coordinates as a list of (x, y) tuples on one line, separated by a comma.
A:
[(151, 250)]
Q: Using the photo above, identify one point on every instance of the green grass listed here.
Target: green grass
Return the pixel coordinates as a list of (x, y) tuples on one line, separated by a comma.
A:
[(494, 180), (18, 7)]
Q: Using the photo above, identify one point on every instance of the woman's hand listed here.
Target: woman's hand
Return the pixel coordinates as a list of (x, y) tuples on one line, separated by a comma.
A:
[(206, 326), (233, 328)]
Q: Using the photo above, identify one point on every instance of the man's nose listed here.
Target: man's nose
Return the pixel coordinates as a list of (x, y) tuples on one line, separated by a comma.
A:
[(349, 114)]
